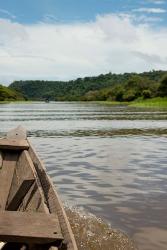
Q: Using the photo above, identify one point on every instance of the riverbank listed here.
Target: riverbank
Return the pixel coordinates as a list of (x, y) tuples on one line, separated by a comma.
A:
[(158, 102), (15, 102)]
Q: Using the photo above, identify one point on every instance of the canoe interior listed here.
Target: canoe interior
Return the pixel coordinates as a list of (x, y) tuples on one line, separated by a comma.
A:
[(19, 187), (26, 190)]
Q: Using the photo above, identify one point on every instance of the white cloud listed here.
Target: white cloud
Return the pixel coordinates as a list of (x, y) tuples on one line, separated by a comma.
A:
[(151, 10), (7, 13), (149, 19), (66, 51), (48, 18), (157, 1)]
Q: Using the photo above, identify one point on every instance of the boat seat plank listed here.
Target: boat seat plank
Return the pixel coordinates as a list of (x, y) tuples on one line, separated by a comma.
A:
[(19, 195), (36, 228), (13, 144), (6, 176)]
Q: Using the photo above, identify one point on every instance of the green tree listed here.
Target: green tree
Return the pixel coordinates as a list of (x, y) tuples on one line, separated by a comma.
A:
[(130, 95), (163, 86), (146, 93)]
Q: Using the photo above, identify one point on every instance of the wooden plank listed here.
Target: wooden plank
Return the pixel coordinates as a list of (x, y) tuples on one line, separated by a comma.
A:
[(18, 133), (27, 227), (1, 159), (32, 200), (13, 144), (6, 176), (19, 195), (40, 190), (54, 203)]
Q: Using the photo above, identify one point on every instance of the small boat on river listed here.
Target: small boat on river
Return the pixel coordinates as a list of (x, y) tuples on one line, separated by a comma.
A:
[(31, 213)]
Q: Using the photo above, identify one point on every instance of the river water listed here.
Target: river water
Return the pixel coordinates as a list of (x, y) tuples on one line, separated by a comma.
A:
[(110, 161)]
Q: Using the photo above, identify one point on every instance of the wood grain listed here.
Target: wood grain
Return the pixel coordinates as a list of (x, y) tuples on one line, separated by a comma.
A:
[(32, 200), (38, 228), (13, 144), (6, 176), (19, 195)]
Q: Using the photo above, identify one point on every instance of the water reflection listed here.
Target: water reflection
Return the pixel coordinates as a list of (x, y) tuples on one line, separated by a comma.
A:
[(122, 179), (109, 160)]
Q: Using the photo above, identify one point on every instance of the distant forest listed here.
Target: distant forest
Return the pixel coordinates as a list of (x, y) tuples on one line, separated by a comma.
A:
[(110, 87), (7, 94)]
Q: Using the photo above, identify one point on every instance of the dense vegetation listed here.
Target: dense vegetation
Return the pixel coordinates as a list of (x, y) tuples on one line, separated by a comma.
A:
[(110, 87), (7, 94)]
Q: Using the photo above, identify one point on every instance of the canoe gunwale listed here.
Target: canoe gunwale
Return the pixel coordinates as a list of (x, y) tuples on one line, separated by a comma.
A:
[(54, 203)]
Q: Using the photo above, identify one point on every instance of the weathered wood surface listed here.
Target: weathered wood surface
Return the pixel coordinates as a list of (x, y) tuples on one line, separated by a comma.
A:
[(19, 195), (54, 203), (41, 197), (6, 176), (37, 181), (9, 144), (27, 227), (18, 134), (1, 159), (32, 201), (40, 188)]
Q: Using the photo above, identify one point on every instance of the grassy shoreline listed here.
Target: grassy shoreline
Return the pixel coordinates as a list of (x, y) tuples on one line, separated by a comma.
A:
[(21, 101), (158, 102)]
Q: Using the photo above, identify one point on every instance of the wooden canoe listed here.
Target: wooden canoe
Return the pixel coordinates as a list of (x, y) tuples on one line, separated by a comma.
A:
[(31, 213)]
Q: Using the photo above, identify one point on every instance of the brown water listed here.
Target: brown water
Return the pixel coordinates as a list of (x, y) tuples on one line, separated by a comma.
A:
[(109, 161), (93, 234)]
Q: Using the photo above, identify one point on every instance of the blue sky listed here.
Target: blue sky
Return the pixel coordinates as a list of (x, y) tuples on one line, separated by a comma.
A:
[(66, 39), (33, 11)]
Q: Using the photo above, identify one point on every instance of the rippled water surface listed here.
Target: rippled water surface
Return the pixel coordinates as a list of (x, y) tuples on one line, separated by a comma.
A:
[(111, 161)]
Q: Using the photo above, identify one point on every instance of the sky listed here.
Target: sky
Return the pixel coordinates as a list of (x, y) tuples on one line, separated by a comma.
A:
[(67, 39)]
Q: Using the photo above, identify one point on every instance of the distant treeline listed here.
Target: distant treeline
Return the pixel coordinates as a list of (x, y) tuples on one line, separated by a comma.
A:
[(7, 94), (110, 87)]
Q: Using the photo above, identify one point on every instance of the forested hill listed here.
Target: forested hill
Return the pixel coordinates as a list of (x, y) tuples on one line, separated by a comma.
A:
[(7, 94), (120, 87), (71, 90)]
